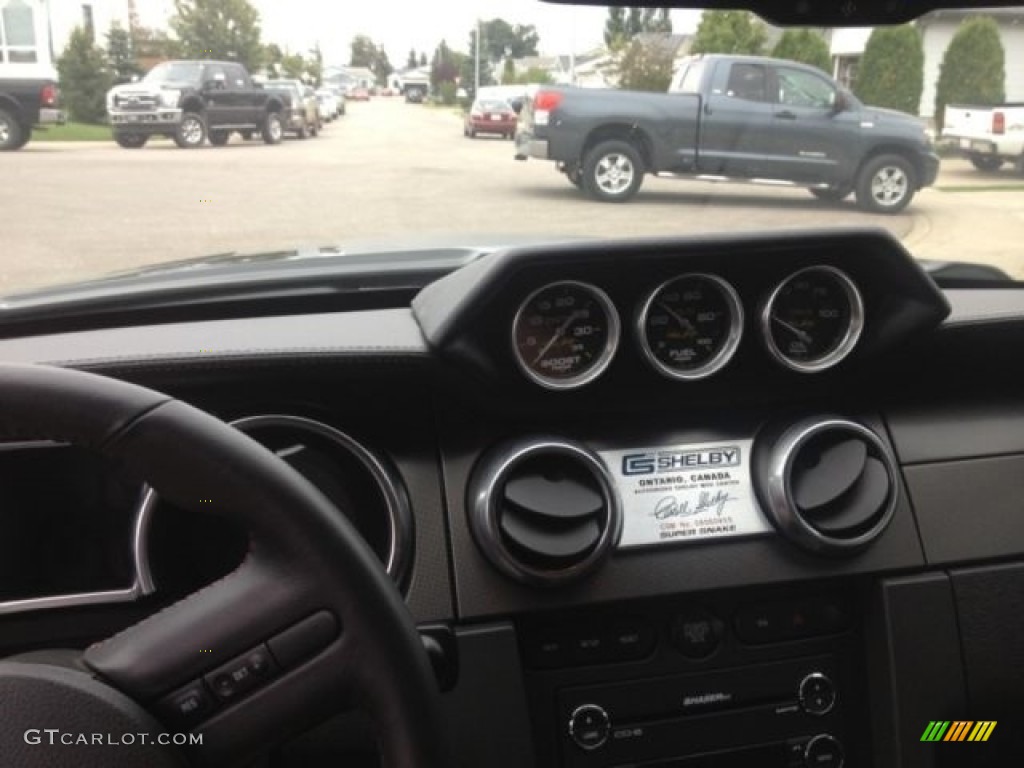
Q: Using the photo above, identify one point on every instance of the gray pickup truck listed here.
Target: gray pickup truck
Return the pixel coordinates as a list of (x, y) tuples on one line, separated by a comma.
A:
[(732, 118)]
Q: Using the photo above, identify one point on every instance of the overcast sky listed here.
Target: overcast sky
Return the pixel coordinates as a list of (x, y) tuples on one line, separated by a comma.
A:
[(420, 24)]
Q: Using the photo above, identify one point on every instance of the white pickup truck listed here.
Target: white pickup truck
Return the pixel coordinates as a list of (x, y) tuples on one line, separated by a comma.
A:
[(987, 136)]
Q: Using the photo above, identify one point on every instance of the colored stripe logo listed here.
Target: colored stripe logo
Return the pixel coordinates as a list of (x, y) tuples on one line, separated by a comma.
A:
[(958, 730)]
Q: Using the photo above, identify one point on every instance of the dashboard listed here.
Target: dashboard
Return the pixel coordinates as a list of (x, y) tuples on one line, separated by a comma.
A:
[(718, 501)]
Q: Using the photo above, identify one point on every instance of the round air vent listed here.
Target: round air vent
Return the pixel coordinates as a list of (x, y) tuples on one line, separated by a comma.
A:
[(829, 484), (358, 482), (544, 511)]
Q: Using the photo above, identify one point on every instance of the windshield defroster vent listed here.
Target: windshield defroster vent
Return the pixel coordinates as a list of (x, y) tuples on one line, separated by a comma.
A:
[(829, 484), (544, 511)]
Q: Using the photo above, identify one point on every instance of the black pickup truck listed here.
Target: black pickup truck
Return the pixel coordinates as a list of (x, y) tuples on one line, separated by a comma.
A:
[(190, 101), (25, 102), (729, 118)]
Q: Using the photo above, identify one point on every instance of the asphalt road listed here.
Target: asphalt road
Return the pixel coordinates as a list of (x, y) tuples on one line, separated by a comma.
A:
[(390, 170)]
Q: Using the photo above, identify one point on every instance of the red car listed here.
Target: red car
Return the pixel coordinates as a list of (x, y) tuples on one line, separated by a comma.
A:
[(490, 116), (359, 94)]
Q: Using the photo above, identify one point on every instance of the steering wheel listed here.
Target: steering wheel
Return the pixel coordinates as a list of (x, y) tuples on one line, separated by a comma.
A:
[(310, 615)]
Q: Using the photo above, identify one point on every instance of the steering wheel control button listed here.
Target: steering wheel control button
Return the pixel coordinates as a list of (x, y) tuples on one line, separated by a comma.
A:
[(696, 635), (817, 694), (241, 675), (589, 727), (824, 751), (303, 641), (188, 704)]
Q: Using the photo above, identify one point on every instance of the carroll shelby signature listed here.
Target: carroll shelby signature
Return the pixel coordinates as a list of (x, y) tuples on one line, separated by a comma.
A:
[(671, 506)]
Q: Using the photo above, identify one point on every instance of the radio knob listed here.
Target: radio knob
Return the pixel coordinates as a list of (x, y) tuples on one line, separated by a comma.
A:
[(824, 751), (817, 694), (589, 727)]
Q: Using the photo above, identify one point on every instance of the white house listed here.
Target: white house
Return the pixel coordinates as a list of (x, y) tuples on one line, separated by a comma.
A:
[(937, 31)]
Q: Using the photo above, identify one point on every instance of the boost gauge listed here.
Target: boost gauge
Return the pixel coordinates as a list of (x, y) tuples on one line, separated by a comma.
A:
[(565, 334), (690, 326), (813, 319)]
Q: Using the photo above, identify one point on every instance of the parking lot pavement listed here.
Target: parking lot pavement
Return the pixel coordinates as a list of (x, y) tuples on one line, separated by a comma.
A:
[(390, 170)]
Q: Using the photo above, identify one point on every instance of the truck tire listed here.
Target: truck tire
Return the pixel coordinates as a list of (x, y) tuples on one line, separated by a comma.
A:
[(886, 184), (273, 129), (191, 132), (986, 163), (12, 133), (832, 194), (131, 140), (303, 131), (613, 171), (575, 175), (219, 138)]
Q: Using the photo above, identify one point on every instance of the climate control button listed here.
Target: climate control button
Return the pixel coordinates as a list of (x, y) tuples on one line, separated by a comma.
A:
[(824, 751), (817, 694)]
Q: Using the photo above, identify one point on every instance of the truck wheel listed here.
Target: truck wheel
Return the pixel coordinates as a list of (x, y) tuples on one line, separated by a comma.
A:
[(191, 131), (12, 133), (273, 128), (575, 175), (986, 163), (833, 194), (131, 140), (613, 171), (886, 184), (219, 138), (303, 131)]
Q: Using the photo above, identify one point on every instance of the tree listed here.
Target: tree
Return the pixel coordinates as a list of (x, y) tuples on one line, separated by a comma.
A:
[(412, 61), (500, 40), (533, 76), (121, 54), (423, 59), (84, 77), (973, 68), (467, 75), (154, 44), (443, 67), (293, 66), (315, 65), (273, 59), (891, 72), (381, 66), (646, 67), (729, 32), (364, 52), (621, 27), (804, 45), (218, 29), (615, 35)]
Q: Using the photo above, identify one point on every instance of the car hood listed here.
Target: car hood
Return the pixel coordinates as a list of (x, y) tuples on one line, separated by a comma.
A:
[(882, 114), (149, 89)]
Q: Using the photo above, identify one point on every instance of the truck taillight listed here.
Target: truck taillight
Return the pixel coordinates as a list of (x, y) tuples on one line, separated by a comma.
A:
[(998, 122), (547, 100), (48, 96)]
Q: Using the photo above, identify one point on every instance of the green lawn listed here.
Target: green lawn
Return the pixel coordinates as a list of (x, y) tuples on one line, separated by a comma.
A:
[(1011, 187), (73, 132)]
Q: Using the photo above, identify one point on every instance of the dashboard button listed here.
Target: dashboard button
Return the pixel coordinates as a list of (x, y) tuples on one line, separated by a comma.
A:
[(817, 694), (824, 751), (631, 640), (188, 704), (242, 674), (697, 634), (589, 727)]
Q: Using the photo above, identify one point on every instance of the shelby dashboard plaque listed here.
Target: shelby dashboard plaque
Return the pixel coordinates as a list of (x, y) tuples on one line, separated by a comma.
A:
[(685, 493)]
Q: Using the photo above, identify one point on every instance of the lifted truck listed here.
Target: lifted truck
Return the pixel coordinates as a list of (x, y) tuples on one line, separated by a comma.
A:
[(732, 118), (190, 101)]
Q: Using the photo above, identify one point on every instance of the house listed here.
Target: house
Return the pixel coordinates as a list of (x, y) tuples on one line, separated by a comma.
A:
[(349, 77), (415, 77), (937, 31)]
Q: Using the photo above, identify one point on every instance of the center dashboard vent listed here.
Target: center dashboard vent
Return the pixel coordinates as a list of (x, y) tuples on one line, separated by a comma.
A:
[(829, 484), (544, 511)]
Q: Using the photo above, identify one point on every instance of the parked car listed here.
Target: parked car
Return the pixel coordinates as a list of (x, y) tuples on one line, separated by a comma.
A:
[(305, 111), (27, 99), (359, 94), (330, 107), (415, 94), (492, 116), (190, 101), (732, 118), (987, 136)]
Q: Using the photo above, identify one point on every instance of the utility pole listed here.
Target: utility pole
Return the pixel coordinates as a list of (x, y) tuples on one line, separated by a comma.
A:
[(476, 77)]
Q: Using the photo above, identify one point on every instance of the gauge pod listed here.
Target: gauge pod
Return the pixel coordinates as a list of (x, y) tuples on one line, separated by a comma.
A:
[(565, 334), (813, 319), (544, 511), (828, 484), (690, 326)]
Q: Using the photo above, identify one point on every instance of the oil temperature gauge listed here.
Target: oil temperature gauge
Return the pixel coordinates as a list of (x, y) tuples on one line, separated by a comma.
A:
[(690, 326), (565, 334)]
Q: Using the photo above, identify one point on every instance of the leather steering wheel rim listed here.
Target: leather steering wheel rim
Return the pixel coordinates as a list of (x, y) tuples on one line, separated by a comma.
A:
[(305, 558)]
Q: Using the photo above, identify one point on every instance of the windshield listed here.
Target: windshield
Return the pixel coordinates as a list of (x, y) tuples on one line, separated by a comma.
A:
[(496, 122), (175, 72)]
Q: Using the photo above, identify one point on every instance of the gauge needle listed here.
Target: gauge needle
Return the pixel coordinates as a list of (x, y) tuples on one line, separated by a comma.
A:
[(686, 324), (802, 335), (558, 334)]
